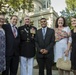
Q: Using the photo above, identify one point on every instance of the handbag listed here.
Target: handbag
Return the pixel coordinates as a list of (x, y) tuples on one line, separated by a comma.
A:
[(63, 64)]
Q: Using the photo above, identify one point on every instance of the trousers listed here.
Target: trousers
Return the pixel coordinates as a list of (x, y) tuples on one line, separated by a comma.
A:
[(26, 65)]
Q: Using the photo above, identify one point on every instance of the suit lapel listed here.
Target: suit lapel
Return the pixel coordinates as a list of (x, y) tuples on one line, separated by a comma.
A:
[(46, 33), (10, 29), (17, 32), (41, 35)]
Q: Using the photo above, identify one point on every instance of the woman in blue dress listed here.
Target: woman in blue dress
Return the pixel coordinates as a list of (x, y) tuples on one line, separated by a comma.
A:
[(2, 45)]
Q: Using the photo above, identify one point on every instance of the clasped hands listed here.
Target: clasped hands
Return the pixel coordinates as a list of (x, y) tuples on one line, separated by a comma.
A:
[(43, 51)]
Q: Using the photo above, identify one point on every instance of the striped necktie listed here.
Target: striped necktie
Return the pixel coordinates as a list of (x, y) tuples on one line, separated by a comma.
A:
[(14, 31)]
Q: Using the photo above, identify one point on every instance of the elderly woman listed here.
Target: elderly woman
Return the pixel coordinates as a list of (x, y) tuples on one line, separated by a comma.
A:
[(2, 45)]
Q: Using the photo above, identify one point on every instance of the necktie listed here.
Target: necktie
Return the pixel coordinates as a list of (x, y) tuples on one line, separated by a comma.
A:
[(14, 31), (43, 31)]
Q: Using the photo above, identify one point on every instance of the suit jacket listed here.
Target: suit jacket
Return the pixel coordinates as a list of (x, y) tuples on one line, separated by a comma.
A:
[(12, 43), (47, 44), (27, 41)]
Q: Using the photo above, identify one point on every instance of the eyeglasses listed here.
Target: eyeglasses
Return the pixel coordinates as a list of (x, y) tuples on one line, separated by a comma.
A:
[(60, 23), (2, 19)]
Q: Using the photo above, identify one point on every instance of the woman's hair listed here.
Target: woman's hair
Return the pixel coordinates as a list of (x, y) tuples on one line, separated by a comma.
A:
[(56, 24)]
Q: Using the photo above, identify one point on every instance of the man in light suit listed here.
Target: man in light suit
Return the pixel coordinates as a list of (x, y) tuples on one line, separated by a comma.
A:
[(12, 46), (45, 39)]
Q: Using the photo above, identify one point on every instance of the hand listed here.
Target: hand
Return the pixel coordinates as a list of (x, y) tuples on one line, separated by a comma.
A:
[(69, 34), (45, 51), (41, 51), (66, 52)]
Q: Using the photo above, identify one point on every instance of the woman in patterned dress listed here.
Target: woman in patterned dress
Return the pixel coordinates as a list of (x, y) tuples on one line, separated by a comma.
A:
[(63, 42), (2, 45)]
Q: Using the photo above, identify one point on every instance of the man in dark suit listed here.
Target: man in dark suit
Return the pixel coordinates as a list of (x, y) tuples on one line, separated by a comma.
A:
[(45, 40), (12, 46), (27, 47)]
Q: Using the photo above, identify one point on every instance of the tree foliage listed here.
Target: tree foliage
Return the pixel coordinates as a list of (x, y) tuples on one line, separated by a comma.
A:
[(15, 5), (67, 15), (71, 5), (3, 6), (69, 11)]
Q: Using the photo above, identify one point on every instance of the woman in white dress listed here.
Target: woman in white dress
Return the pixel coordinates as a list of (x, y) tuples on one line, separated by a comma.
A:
[(63, 42)]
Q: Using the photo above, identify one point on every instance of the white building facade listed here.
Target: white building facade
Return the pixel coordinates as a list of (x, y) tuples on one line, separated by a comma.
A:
[(43, 9)]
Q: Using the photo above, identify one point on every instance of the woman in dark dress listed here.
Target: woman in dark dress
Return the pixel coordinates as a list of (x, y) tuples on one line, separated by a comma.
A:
[(2, 45), (73, 52)]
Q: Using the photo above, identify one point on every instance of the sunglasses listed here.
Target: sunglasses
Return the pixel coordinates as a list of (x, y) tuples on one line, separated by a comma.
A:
[(43, 21)]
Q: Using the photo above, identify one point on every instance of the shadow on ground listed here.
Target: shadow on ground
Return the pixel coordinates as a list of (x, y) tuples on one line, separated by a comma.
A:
[(53, 67)]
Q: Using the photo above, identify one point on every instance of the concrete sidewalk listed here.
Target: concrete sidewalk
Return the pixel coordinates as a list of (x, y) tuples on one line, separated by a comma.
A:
[(55, 72)]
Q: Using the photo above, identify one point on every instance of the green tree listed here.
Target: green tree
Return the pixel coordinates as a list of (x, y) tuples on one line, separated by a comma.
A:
[(71, 5), (3, 6), (67, 15), (69, 11), (10, 6), (20, 4)]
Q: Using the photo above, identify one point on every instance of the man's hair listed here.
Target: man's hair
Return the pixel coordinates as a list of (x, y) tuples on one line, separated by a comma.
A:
[(26, 16), (42, 19), (13, 16)]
